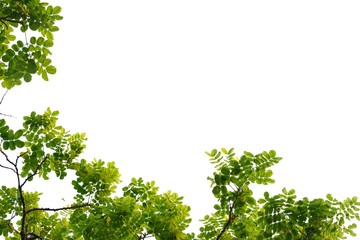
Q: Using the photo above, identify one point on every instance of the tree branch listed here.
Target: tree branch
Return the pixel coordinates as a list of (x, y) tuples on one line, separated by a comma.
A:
[(3, 97), (32, 236), (58, 209), (231, 215), (22, 200), (7, 159), (12, 227), (4, 114), (6, 18), (35, 172), (8, 168)]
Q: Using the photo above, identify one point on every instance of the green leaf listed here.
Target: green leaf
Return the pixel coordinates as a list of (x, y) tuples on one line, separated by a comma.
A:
[(12, 145), (6, 58), (266, 195), (48, 43), (248, 154), (46, 62), (223, 190), (10, 52), (329, 197), (225, 170), (45, 76), (213, 152), (291, 192), (2, 39), (2, 123), (56, 10), (11, 37), (33, 40), (18, 134), (27, 77), (6, 145), (272, 153), (224, 151), (215, 191), (217, 179), (51, 69), (268, 173), (54, 29), (19, 144), (31, 66), (40, 41)]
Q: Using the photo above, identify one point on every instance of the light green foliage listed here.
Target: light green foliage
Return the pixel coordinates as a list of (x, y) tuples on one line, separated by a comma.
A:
[(29, 55), (239, 216), (42, 150), (140, 212)]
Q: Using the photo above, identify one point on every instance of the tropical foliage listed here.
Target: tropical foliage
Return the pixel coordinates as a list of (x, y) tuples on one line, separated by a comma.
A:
[(42, 150)]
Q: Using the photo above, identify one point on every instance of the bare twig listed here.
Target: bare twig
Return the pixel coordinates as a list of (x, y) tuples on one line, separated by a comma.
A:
[(2, 98), (7, 168)]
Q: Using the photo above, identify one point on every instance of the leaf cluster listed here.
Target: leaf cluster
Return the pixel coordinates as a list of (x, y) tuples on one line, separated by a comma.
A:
[(239, 216), (22, 59)]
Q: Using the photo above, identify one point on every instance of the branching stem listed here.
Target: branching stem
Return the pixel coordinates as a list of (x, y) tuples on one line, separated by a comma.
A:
[(58, 209), (231, 216)]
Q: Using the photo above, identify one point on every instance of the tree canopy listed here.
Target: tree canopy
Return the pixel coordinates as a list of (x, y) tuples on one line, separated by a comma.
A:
[(42, 150), (21, 59)]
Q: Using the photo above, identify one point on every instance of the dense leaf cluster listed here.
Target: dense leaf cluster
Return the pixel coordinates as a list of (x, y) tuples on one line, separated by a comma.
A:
[(21, 59), (239, 216)]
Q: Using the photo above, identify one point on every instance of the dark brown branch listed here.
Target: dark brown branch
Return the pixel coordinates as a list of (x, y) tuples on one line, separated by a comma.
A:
[(21, 155), (31, 235), (22, 200), (10, 20), (35, 172), (12, 227), (8, 168), (58, 209), (3, 22), (7, 159), (231, 215)]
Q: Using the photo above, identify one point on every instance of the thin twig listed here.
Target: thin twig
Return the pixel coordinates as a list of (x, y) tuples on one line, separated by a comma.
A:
[(7, 115), (58, 209), (4, 114), (7, 168), (3, 97), (21, 155)]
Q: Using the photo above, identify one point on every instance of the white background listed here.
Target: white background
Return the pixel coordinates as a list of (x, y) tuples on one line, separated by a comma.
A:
[(154, 84)]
